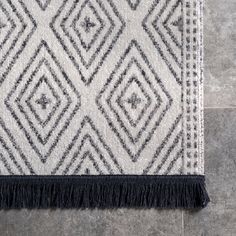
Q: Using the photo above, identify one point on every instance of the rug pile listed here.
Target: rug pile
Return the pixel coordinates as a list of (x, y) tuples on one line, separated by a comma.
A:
[(101, 104)]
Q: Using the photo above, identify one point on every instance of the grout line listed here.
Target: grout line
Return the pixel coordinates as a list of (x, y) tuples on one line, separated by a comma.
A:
[(182, 225), (219, 108)]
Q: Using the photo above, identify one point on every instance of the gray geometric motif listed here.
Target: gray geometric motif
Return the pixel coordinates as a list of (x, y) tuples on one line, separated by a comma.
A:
[(42, 101), (13, 158), (87, 30), (9, 164), (133, 4), (43, 4), (134, 100), (169, 153), (139, 101), (16, 28), (87, 153), (45, 97), (164, 26)]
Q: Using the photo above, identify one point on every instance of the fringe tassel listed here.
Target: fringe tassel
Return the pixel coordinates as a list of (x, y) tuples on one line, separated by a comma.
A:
[(102, 192)]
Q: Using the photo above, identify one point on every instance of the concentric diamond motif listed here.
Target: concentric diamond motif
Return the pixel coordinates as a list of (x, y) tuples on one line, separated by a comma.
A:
[(134, 100), (164, 26), (87, 26), (87, 30), (43, 101), (16, 28)]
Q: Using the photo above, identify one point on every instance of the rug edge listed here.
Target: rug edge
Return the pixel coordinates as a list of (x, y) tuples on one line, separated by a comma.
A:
[(130, 191)]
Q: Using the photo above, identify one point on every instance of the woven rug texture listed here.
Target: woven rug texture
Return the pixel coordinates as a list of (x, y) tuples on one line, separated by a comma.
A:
[(101, 103)]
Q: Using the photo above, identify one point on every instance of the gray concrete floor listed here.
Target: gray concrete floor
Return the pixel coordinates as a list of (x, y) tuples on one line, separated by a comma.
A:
[(219, 218)]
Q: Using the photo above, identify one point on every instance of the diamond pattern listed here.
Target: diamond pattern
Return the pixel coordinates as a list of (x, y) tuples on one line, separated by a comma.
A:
[(91, 29), (85, 27), (145, 108), (166, 37), (16, 28), (43, 127), (134, 106), (52, 101), (134, 75)]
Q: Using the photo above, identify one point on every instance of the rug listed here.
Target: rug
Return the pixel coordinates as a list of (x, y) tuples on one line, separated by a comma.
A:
[(101, 104)]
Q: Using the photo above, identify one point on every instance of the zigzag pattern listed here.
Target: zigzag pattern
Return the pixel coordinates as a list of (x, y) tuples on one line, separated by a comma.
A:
[(100, 87)]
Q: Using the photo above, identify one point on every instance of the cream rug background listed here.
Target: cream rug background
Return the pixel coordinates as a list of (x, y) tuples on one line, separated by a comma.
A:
[(102, 87)]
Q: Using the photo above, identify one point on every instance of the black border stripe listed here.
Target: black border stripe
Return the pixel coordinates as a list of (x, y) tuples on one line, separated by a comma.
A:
[(104, 191)]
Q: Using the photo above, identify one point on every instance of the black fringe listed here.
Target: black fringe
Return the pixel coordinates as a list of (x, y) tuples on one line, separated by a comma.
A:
[(128, 191)]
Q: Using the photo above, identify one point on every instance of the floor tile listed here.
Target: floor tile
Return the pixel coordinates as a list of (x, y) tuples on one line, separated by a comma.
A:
[(219, 218), (122, 222), (220, 53)]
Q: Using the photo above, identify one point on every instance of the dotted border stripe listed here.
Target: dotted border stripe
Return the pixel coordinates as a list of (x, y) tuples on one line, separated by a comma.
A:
[(193, 82)]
